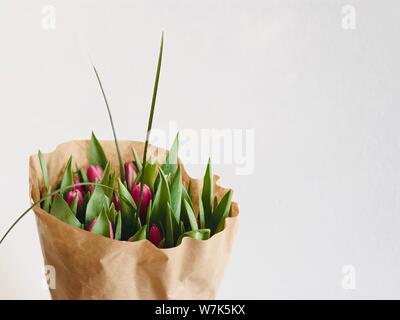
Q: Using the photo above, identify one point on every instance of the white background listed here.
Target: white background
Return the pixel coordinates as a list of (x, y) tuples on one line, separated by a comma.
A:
[(323, 101)]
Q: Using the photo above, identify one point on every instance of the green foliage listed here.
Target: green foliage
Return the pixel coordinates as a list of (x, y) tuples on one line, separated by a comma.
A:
[(97, 157), (61, 210), (67, 178)]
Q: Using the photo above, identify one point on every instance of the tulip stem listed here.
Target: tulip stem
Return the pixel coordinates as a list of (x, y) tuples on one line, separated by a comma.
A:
[(150, 122), (50, 195), (121, 164)]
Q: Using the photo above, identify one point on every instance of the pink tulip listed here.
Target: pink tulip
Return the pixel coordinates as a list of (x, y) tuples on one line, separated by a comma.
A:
[(146, 198), (155, 235), (70, 197), (94, 173), (80, 188), (130, 174)]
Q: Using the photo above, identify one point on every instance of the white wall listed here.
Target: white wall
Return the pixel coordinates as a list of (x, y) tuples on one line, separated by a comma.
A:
[(323, 101)]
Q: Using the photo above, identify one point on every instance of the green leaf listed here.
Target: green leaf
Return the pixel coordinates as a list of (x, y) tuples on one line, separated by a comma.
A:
[(186, 196), (172, 157), (107, 180), (201, 234), (125, 195), (118, 226), (181, 228), (112, 213), (161, 200), (221, 212), (162, 243), (96, 153), (97, 202), (202, 217), (82, 210), (136, 160), (176, 194), (45, 173), (141, 234), (74, 205), (121, 164), (190, 215), (150, 174), (102, 225), (83, 176), (151, 115), (138, 223), (67, 177), (61, 210), (148, 215), (208, 190), (169, 230), (128, 210), (171, 161), (47, 201)]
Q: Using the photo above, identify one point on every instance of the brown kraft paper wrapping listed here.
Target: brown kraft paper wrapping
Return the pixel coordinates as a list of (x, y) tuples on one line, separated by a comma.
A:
[(89, 266)]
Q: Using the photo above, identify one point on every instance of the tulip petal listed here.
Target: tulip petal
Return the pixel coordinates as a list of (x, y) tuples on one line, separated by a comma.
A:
[(155, 235)]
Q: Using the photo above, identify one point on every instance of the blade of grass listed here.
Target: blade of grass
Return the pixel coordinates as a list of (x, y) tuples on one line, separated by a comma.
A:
[(150, 122), (121, 164)]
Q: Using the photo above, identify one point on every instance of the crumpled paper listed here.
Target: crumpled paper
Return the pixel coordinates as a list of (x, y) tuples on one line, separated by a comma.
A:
[(89, 266)]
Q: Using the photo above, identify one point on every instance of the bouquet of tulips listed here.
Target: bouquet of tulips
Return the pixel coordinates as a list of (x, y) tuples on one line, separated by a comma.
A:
[(152, 202), (123, 219)]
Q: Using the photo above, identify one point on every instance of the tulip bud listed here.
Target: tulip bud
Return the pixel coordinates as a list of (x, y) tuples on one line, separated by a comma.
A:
[(70, 197), (130, 174), (94, 173), (155, 235), (80, 188), (116, 202), (146, 198)]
